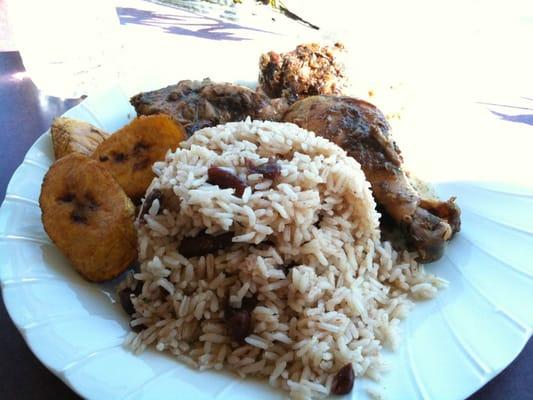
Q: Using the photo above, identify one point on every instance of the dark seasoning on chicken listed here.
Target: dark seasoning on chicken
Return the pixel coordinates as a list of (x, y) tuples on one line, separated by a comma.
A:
[(199, 104), (361, 129), (308, 70)]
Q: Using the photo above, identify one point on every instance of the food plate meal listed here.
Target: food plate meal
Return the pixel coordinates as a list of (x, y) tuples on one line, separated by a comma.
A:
[(269, 233)]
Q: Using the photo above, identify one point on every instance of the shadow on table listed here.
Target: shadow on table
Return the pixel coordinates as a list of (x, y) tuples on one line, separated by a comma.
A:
[(213, 28), (510, 117), (25, 113), (520, 118)]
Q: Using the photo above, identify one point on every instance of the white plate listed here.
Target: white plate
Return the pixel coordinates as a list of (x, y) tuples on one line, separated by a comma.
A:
[(452, 345)]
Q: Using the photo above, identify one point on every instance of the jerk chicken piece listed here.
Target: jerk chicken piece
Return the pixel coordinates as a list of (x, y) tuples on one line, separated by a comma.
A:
[(361, 129), (197, 104), (308, 70)]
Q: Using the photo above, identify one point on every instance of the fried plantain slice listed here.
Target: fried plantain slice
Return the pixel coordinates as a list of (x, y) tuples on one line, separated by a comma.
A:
[(130, 152), (89, 217), (71, 135)]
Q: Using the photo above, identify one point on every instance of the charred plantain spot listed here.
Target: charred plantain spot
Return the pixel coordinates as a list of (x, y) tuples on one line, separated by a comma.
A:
[(140, 147), (66, 198), (91, 202), (78, 215), (140, 165), (81, 208), (119, 157)]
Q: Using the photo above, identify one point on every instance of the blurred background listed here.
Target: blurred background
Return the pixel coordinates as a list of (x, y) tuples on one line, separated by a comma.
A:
[(441, 66), (471, 46)]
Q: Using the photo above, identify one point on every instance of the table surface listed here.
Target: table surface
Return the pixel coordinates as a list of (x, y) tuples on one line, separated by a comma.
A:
[(25, 113)]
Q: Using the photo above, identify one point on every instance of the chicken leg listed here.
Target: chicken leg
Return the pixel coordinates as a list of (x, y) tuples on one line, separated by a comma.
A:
[(361, 129)]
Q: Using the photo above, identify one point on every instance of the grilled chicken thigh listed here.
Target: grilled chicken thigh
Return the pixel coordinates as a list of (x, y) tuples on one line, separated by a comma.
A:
[(197, 104), (361, 129)]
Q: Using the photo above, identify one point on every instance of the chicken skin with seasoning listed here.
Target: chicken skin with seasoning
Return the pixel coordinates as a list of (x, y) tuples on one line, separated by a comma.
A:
[(361, 129), (199, 104)]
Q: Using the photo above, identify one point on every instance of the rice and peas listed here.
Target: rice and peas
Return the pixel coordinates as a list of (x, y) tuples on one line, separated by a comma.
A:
[(305, 253)]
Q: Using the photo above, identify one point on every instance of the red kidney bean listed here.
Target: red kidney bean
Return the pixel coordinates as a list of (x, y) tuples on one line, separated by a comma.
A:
[(270, 170), (204, 244), (125, 300), (249, 303), (239, 325), (226, 180), (343, 381), (153, 195), (138, 328)]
